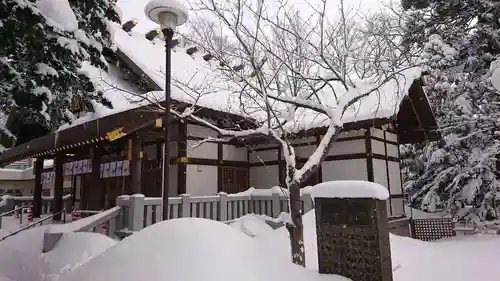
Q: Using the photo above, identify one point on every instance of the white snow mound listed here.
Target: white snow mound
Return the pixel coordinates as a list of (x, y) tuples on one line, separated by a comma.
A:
[(190, 249), (349, 189), (75, 249)]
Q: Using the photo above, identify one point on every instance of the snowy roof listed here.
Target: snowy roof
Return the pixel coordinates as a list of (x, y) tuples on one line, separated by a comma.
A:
[(149, 56)]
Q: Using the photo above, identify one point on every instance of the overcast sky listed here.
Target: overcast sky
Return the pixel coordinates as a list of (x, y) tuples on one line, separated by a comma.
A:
[(134, 9)]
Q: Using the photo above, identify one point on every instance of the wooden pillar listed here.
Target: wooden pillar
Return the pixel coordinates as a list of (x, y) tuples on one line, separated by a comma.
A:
[(95, 183), (182, 166), (220, 165), (37, 190), (58, 186), (369, 155), (134, 155), (319, 173), (281, 167)]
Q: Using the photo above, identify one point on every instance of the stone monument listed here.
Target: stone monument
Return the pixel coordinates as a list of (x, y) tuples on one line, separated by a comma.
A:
[(352, 230)]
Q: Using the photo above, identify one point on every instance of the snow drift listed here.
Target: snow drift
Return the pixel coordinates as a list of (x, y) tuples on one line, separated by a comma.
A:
[(190, 249)]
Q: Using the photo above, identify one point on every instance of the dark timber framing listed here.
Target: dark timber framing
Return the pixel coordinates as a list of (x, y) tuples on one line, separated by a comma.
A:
[(37, 190), (387, 171), (182, 153), (58, 186), (369, 155), (219, 164)]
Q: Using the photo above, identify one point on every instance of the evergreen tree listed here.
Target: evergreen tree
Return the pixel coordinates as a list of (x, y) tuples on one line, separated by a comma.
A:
[(40, 60), (459, 40), (93, 18)]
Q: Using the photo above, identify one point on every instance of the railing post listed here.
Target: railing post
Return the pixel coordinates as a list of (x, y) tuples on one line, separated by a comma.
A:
[(112, 226), (21, 215), (186, 206), (250, 204), (122, 219), (276, 204), (223, 206), (136, 212)]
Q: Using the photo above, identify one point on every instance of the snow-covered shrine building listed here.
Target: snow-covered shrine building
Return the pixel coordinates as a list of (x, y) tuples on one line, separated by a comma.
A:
[(126, 141)]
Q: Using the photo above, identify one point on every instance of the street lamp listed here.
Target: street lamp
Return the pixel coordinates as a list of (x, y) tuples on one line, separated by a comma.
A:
[(168, 14)]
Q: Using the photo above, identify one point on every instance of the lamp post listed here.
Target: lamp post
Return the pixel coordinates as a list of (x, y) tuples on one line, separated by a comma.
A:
[(168, 14)]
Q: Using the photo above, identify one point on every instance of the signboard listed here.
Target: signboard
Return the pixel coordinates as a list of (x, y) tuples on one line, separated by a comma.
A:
[(112, 169), (126, 168), (105, 173), (80, 167), (115, 134), (119, 168)]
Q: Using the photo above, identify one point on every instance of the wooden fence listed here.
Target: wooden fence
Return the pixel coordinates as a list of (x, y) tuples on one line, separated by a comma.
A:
[(140, 211), (135, 212)]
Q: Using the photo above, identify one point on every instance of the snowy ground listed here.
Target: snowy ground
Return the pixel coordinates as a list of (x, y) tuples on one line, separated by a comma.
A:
[(248, 249)]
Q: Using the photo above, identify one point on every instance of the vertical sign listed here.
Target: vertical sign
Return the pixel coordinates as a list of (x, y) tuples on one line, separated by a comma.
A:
[(126, 168), (119, 168)]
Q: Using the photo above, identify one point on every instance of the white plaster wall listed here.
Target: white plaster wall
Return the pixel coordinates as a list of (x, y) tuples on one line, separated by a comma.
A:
[(234, 153), (397, 207), (392, 150), (377, 133), (395, 178), (264, 176), (380, 172), (352, 133), (200, 131), (391, 137), (304, 151), (348, 147), (378, 147), (354, 169), (201, 180), (263, 155), (206, 150)]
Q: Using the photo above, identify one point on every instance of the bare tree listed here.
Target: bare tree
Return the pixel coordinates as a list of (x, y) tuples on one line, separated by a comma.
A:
[(282, 63)]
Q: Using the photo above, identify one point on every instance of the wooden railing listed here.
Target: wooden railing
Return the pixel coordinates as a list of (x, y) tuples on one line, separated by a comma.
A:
[(108, 219), (140, 212), (135, 212)]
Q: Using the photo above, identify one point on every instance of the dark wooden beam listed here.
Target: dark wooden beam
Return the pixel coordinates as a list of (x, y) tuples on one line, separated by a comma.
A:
[(369, 155), (387, 172), (182, 152), (58, 186), (37, 190), (95, 186), (220, 158), (135, 164), (320, 168), (281, 167)]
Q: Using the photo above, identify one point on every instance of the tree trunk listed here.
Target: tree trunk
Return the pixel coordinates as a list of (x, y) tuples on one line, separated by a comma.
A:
[(296, 228)]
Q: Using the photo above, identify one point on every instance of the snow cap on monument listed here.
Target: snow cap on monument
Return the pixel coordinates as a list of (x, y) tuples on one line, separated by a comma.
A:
[(349, 189), (155, 8)]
